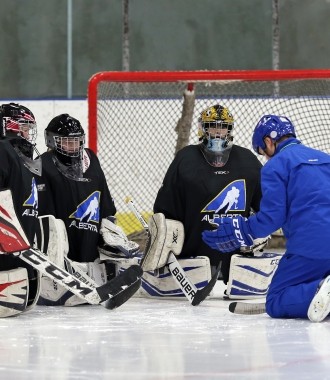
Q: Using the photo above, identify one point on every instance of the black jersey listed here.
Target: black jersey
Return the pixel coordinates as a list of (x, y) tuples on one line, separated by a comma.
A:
[(195, 192), (81, 205), (22, 183)]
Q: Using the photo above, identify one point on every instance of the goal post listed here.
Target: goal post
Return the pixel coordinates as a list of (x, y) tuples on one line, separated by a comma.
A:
[(138, 120)]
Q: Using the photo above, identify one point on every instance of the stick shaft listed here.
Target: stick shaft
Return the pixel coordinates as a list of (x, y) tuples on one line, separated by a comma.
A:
[(133, 208)]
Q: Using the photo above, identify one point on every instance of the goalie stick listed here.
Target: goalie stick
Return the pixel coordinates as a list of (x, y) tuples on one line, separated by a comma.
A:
[(195, 296), (13, 241), (247, 308), (112, 294)]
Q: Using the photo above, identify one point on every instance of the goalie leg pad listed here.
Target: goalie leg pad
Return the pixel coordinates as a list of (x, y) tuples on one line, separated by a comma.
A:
[(250, 277), (54, 243), (166, 235), (53, 294), (14, 285), (161, 284), (10, 263)]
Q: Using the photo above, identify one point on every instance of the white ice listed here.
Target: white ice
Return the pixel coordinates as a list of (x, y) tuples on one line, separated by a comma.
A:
[(161, 339)]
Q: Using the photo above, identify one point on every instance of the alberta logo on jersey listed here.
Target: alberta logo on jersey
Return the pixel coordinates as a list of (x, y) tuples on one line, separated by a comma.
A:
[(231, 198), (87, 212), (31, 203)]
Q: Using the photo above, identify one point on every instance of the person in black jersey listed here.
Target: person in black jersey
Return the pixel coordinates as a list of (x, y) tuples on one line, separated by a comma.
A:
[(212, 179), (18, 172), (73, 188)]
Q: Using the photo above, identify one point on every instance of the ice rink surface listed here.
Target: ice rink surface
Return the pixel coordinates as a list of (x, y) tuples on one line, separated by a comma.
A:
[(161, 339)]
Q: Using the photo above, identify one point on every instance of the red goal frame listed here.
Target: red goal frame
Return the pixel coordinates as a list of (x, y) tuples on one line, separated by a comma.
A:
[(185, 76)]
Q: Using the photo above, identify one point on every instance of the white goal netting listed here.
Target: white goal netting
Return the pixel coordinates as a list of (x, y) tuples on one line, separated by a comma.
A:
[(137, 119)]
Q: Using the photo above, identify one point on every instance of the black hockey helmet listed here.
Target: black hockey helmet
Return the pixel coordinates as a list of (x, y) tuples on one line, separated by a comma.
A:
[(17, 121), (18, 125), (65, 137)]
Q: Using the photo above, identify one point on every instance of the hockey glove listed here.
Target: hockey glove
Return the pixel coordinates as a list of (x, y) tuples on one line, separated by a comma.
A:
[(116, 242), (231, 234)]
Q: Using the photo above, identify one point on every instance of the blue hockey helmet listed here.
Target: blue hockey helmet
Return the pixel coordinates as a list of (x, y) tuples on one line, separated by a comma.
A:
[(271, 126)]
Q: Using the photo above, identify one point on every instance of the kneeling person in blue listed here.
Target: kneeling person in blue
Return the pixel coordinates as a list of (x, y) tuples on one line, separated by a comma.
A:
[(295, 185)]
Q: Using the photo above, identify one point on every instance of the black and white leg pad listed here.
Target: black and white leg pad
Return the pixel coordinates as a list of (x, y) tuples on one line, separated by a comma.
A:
[(14, 294), (53, 294), (166, 235), (55, 244), (250, 277)]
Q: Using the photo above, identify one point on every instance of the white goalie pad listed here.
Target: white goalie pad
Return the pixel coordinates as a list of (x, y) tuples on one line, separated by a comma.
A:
[(250, 277), (116, 242), (166, 235), (14, 285), (161, 284), (51, 293)]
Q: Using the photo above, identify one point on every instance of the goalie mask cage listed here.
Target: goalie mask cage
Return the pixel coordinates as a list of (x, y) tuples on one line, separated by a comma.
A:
[(138, 120)]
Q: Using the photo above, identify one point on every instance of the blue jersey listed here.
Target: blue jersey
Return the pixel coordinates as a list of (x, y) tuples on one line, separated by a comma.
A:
[(296, 196)]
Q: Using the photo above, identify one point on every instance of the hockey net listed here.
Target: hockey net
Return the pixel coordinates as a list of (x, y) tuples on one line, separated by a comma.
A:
[(138, 120)]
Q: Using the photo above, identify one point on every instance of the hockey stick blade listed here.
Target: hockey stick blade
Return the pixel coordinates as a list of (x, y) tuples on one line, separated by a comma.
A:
[(201, 294), (115, 292), (247, 308), (121, 288)]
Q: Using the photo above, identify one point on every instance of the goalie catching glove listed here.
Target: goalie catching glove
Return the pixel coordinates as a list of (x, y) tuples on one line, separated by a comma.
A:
[(115, 241), (232, 234)]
